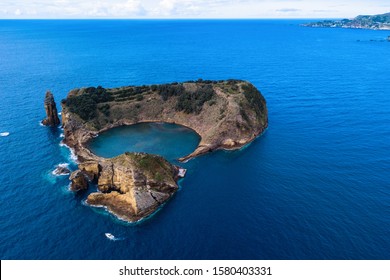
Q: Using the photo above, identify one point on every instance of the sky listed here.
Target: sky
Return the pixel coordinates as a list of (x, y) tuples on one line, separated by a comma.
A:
[(174, 9)]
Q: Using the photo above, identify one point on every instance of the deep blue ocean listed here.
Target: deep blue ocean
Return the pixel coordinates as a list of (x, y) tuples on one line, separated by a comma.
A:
[(316, 185)]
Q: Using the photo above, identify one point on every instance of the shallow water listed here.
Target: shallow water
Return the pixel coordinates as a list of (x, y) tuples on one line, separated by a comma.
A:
[(171, 141), (314, 186)]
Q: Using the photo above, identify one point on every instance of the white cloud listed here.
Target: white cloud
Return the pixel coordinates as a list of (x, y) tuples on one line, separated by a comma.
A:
[(178, 8), (189, 8)]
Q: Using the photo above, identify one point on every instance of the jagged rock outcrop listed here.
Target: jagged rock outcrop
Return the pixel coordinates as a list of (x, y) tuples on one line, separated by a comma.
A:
[(61, 170), (134, 185), (91, 169), (51, 111), (78, 181)]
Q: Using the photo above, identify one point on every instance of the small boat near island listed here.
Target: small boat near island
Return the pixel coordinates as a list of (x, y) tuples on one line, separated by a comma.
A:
[(182, 172), (109, 236)]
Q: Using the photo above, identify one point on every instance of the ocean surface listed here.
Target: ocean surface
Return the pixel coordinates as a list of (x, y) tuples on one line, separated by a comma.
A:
[(316, 185)]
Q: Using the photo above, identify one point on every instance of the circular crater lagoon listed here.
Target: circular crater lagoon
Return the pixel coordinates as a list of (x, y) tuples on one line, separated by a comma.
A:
[(171, 141)]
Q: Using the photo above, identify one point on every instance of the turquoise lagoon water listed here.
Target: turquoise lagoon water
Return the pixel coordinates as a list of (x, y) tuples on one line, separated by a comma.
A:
[(316, 185), (168, 140)]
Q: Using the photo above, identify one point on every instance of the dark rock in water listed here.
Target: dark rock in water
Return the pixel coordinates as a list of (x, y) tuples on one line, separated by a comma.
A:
[(61, 170), (79, 182), (51, 111)]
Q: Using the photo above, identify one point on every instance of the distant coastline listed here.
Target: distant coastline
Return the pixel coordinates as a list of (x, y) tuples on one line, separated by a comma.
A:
[(373, 22)]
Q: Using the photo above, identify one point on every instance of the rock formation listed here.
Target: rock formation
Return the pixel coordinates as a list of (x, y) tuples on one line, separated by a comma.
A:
[(51, 111), (226, 115), (134, 185), (79, 182), (61, 170)]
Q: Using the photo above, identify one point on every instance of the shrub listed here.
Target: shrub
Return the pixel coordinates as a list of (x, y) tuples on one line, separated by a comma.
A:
[(254, 97), (167, 91), (105, 109), (85, 104), (192, 102)]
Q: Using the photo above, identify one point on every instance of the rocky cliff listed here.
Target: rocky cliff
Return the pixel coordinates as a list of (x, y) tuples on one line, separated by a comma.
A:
[(134, 185), (226, 115), (51, 111)]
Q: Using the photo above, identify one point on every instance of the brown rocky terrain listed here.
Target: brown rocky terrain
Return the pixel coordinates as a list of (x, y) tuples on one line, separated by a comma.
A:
[(51, 111), (134, 185), (226, 115)]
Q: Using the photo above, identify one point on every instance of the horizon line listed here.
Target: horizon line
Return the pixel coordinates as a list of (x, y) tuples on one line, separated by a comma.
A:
[(276, 18)]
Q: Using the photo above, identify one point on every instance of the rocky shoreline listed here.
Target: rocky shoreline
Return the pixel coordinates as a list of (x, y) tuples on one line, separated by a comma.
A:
[(225, 114)]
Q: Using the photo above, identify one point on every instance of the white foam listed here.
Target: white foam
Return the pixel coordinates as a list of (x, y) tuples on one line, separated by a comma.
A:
[(63, 165), (60, 113), (4, 134), (73, 156), (62, 135)]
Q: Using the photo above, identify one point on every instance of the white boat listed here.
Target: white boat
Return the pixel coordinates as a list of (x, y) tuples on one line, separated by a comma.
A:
[(4, 134), (110, 236), (182, 172)]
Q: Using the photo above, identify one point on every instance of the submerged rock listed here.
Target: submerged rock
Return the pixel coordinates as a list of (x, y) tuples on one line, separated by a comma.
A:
[(51, 111)]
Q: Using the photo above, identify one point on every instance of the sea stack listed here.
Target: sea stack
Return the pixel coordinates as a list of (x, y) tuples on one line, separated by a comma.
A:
[(51, 111)]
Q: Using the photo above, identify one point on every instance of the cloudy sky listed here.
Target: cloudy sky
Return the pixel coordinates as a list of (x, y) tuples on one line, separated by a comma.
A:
[(190, 8)]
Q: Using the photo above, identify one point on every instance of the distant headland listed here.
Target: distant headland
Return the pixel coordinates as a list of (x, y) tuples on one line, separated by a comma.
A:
[(226, 114), (374, 22)]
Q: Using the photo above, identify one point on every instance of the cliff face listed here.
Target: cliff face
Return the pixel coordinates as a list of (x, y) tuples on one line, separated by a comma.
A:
[(133, 185), (51, 111), (226, 114)]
